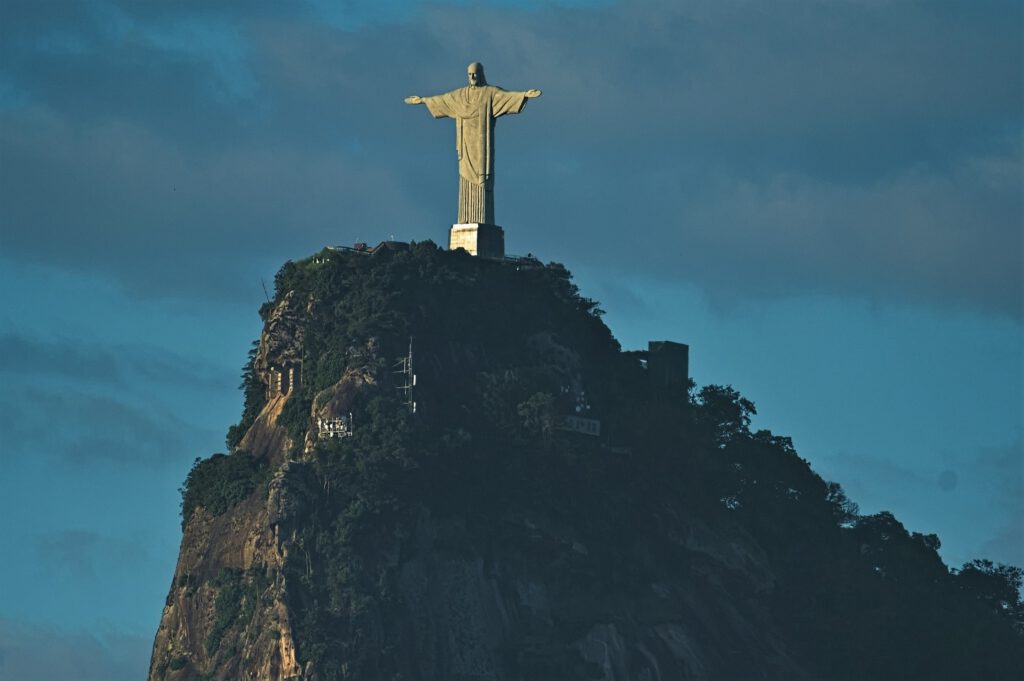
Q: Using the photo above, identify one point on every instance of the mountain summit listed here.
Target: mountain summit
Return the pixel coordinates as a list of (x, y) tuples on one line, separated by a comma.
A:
[(447, 469)]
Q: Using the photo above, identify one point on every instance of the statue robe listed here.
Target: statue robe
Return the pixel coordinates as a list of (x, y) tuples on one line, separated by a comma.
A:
[(474, 109)]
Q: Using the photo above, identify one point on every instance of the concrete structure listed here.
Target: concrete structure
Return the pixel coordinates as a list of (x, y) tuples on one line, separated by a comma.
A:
[(338, 427), (578, 424), (475, 109), (284, 379), (487, 241), (668, 364)]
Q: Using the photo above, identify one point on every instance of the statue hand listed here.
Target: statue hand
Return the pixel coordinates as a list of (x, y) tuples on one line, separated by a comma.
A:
[(415, 99), (533, 93)]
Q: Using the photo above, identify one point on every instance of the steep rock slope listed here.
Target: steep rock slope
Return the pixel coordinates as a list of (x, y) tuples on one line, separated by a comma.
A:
[(449, 526)]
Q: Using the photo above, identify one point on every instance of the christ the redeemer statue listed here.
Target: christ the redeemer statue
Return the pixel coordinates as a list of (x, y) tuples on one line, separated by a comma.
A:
[(474, 109)]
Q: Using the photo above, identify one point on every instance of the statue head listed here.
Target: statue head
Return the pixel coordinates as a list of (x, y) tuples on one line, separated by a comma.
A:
[(475, 74)]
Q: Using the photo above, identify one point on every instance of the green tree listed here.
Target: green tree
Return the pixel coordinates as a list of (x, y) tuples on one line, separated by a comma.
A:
[(539, 414), (995, 584), (725, 412), (255, 399)]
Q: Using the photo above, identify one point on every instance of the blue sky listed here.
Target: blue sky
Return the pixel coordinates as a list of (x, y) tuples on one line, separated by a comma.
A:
[(823, 198)]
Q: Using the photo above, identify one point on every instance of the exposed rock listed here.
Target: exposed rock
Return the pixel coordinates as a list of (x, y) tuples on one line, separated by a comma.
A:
[(244, 542), (283, 335), (265, 439)]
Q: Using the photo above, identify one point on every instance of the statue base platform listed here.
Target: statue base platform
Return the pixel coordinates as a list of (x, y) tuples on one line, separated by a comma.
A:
[(477, 238)]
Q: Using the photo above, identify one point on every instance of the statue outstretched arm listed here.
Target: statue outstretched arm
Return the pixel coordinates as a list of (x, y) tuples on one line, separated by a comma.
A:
[(439, 106), (530, 94)]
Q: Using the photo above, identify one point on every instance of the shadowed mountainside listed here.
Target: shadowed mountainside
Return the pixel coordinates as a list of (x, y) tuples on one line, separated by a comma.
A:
[(477, 538)]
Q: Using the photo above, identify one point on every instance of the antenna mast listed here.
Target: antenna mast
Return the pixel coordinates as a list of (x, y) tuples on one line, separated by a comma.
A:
[(404, 368)]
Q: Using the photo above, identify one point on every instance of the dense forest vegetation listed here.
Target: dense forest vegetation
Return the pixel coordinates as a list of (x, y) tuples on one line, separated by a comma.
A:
[(503, 351)]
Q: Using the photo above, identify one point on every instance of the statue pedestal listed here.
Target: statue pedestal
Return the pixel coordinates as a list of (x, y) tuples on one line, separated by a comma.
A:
[(477, 238)]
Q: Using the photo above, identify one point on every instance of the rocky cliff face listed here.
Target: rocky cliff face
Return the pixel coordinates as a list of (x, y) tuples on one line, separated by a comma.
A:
[(476, 539), (228, 564)]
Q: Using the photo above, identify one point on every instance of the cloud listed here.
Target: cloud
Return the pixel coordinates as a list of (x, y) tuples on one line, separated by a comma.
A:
[(32, 652), (128, 203), (107, 364), (82, 403), (22, 355), (921, 235), (74, 553), (105, 60), (862, 149), (1004, 467), (79, 428), (882, 468), (1005, 545)]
